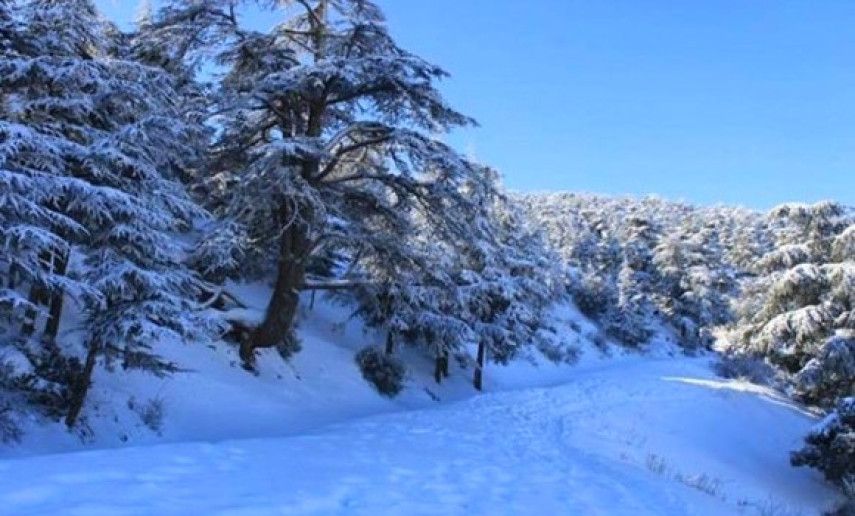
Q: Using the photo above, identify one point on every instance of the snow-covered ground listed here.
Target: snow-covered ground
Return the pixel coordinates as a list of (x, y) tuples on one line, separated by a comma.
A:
[(643, 436), (216, 399), (628, 434)]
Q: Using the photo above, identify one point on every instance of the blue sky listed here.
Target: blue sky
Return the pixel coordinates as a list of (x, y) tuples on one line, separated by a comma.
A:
[(720, 101)]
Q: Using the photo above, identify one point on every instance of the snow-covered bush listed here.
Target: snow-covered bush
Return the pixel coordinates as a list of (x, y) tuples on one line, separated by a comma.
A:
[(220, 253), (9, 430), (745, 367), (382, 370), (830, 445), (559, 350), (38, 377), (593, 295), (599, 340), (627, 324), (151, 412), (830, 375)]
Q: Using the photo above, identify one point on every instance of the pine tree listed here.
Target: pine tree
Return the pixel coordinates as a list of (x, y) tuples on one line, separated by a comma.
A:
[(491, 296), (101, 138), (628, 320), (831, 445), (324, 148), (518, 277), (693, 282)]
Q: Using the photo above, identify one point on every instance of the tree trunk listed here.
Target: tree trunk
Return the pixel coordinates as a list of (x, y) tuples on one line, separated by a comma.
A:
[(478, 378), (82, 383), (295, 243), (13, 274), (278, 323), (54, 262), (437, 369), (440, 369), (38, 296), (56, 301), (390, 343)]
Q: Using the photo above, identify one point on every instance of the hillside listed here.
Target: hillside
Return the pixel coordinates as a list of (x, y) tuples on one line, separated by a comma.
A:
[(625, 436), (629, 433)]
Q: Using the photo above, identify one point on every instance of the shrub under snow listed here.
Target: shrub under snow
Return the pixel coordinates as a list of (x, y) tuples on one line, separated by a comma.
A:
[(384, 371), (745, 367), (831, 374), (831, 445)]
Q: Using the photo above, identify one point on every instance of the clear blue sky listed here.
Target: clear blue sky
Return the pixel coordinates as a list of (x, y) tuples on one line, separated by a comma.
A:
[(715, 101)]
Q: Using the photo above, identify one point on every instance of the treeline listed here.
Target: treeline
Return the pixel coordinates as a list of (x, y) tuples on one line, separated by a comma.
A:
[(640, 263), (774, 293)]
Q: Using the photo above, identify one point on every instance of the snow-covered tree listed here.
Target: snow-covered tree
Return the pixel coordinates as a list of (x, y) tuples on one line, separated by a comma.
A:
[(794, 311), (518, 278), (35, 231), (831, 373), (95, 146), (8, 31), (628, 321), (492, 296), (640, 260), (831, 445), (325, 147), (693, 282)]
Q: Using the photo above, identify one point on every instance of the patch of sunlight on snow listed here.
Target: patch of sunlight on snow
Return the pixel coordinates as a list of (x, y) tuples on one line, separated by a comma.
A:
[(741, 386)]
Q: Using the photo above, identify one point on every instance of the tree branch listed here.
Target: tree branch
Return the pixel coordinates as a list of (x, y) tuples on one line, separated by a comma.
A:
[(347, 149), (334, 284)]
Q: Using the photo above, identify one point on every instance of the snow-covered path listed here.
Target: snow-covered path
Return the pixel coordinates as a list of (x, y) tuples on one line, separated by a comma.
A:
[(630, 437)]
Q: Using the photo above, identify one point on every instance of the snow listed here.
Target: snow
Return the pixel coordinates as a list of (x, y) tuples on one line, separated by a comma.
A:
[(626, 434), (628, 437)]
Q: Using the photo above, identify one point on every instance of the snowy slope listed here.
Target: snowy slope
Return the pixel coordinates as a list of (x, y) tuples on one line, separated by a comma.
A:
[(631, 436), (216, 399), (624, 434)]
